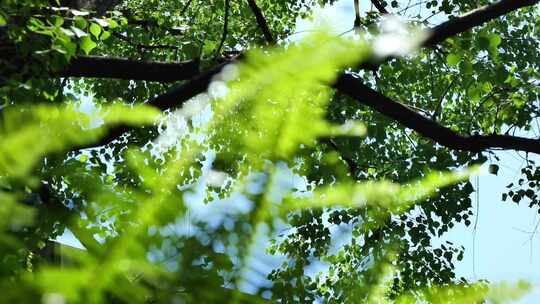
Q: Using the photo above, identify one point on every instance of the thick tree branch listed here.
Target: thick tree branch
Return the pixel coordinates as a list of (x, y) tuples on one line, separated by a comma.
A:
[(178, 95), (473, 19), (380, 7), (193, 87), (356, 24), (157, 71), (261, 21), (174, 98), (461, 24), (354, 88), (122, 68)]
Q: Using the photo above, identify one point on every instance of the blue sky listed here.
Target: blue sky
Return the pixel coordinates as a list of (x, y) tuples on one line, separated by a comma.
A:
[(506, 248)]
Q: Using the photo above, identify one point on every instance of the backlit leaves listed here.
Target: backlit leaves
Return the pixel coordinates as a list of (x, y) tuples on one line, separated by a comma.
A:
[(270, 109), (48, 129)]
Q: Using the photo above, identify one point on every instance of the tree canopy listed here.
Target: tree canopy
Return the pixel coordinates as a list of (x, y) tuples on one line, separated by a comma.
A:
[(199, 152)]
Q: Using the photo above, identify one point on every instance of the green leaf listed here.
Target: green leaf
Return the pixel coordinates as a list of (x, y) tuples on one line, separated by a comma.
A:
[(453, 59), (112, 24), (494, 40), (95, 29), (69, 47), (483, 42), (67, 32), (105, 35), (397, 198), (493, 169), (138, 115), (48, 129), (87, 44), (58, 21), (80, 22)]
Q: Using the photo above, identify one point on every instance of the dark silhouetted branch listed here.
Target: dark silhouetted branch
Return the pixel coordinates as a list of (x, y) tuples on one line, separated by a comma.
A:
[(177, 95), (461, 24), (347, 84), (157, 71), (174, 98), (473, 19), (355, 89), (185, 8), (261, 21), (225, 27), (380, 7), (121, 68)]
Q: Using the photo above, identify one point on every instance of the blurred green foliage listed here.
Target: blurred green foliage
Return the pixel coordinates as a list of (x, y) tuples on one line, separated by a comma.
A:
[(266, 120)]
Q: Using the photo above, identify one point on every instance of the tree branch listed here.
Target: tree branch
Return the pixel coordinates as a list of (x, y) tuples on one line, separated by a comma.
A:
[(199, 84), (354, 88), (122, 68), (379, 6), (174, 98), (461, 24), (473, 19), (261, 21), (225, 27), (178, 95), (55, 208), (351, 164), (185, 8), (84, 66)]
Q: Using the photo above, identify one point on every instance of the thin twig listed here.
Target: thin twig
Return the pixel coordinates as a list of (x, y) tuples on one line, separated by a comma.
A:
[(476, 224), (437, 110), (184, 9), (225, 27)]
